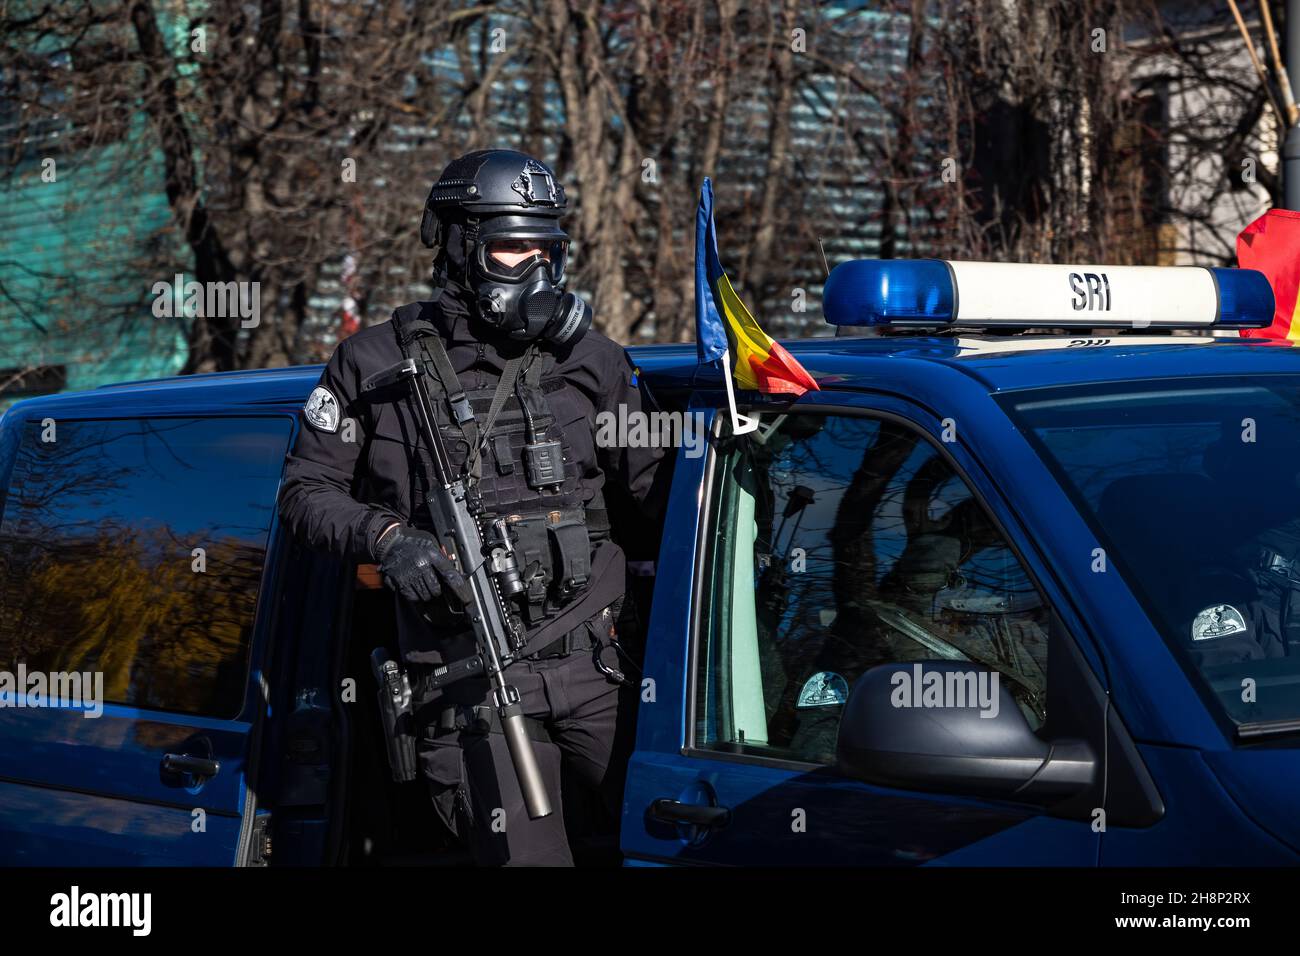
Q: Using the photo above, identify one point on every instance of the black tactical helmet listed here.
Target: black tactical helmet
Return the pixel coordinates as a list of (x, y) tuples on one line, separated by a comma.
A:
[(495, 197), (491, 181)]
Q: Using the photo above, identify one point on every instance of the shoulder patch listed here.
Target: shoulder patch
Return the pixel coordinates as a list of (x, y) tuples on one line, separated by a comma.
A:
[(322, 410)]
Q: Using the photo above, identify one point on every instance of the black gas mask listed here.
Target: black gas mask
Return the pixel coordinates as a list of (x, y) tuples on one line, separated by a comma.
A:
[(516, 277)]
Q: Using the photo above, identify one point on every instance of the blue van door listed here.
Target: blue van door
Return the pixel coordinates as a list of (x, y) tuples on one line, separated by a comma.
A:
[(133, 555), (832, 541)]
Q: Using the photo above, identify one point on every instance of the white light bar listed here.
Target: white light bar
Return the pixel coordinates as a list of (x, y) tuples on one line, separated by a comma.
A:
[(930, 292)]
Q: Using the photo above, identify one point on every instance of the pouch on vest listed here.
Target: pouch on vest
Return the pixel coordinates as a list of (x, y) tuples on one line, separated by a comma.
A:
[(572, 557)]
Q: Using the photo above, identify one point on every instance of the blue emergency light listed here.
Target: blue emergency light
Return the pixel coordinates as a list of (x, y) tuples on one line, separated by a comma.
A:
[(938, 292)]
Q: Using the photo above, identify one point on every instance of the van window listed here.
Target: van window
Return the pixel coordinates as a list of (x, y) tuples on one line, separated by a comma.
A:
[(135, 548), (838, 544), (1190, 486)]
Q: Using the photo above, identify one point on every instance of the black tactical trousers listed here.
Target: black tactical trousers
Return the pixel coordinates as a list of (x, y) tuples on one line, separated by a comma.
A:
[(582, 731)]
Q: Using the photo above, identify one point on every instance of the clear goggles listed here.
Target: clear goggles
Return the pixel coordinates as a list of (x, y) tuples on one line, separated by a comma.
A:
[(511, 257)]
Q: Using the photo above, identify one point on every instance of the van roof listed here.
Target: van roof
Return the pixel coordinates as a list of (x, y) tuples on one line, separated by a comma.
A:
[(852, 363)]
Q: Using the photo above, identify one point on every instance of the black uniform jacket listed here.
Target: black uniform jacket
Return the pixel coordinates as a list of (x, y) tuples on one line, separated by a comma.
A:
[(349, 475)]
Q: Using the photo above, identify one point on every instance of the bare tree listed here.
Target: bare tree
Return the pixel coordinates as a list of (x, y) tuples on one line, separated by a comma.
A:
[(294, 142)]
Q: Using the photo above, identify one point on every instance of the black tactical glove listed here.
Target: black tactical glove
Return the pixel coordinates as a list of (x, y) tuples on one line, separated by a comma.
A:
[(413, 565)]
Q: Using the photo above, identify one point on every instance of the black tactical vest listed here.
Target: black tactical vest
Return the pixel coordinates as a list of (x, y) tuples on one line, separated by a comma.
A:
[(520, 475)]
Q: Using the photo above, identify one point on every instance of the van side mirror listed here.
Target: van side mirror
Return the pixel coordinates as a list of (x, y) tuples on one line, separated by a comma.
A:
[(953, 727)]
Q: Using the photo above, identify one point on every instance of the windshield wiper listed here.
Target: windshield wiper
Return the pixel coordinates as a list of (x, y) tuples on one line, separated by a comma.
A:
[(1268, 728)]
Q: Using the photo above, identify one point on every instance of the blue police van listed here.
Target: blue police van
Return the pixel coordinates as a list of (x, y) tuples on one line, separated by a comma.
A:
[(1093, 539)]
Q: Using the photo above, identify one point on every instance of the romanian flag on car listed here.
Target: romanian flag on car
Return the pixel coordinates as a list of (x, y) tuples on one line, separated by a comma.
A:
[(1271, 244), (725, 329)]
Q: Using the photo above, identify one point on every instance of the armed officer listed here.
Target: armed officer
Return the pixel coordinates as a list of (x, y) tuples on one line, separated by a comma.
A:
[(516, 378)]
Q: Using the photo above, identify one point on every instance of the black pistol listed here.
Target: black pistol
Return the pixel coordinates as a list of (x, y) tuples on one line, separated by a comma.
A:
[(397, 714)]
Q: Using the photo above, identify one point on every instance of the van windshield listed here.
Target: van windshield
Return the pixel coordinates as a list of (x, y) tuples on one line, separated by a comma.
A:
[(1192, 487)]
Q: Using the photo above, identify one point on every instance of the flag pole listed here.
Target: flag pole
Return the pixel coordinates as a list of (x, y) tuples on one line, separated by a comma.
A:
[(740, 424)]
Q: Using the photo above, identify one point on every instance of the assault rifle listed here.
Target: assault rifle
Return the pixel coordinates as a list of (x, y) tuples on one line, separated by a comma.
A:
[(493, 576)]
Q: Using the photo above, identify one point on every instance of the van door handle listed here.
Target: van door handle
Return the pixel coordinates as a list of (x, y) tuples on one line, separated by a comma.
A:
[(196, 766), (692, 814)]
